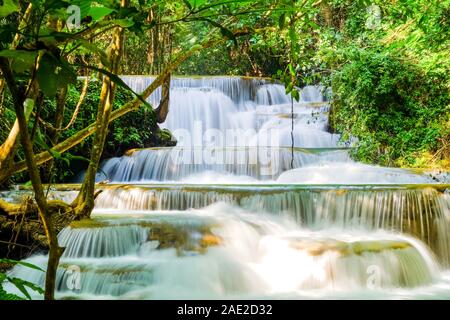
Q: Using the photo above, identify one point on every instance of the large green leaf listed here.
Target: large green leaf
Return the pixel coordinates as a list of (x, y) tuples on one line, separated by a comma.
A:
[(25, 264), (8, 7), (84, 5), (124, 23), (22, 285), (21, 59), (54, 74), (98, 13)]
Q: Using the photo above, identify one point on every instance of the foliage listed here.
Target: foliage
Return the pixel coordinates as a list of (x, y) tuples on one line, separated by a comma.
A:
[(20, 284), (386, 62), (395, 109), (391, 84), (388, 69)]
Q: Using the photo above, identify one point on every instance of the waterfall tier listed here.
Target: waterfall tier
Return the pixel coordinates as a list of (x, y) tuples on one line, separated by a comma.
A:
[(171, 164), (257, 200), (225, 251), (419, 211)]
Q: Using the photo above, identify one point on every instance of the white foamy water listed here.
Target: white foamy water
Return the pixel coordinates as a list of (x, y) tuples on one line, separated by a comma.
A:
[(233, 211), (255, 256), (342, 173)]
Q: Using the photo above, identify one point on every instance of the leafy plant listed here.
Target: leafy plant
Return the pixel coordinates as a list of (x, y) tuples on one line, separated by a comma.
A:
[(20, 284)]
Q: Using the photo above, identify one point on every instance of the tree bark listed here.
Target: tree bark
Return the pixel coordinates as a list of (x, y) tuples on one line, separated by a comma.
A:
[(84, 203), (163, 109), (9, 147), (55, 251)]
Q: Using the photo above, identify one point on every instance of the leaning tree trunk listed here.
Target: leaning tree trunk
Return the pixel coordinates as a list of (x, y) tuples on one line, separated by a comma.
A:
[(9, 147), (163, 109), (55, 251), (84, 203)]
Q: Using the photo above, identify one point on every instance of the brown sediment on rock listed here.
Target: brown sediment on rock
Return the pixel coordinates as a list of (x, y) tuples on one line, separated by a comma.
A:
[(197, 237), (320, 247), (180, 237), (130, 152), (210, 240)]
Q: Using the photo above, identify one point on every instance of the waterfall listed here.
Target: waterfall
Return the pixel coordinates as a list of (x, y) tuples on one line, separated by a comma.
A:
[(234, 211), (422, 212), (170, 164), (241, 254)]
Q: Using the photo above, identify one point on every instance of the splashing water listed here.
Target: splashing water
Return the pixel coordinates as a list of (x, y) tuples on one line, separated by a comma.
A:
[(224, 251), (224, 214)]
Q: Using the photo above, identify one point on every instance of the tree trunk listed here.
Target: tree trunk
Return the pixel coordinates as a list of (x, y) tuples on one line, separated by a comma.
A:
[(55, 251), (84, 203), (9, 147), (163, 108)]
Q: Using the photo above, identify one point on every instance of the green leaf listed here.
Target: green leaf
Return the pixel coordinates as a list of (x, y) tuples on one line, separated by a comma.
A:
[(289, 88), (313, 25), (95, 49), (46, 76), (22, 284), (198, 3), (296, 95), (21, 59), (98, 13), (19, 285), (8, 7), (282, 20), (54, 74), (25, 264), (71, 157), (8, 296), (55, 154), (188, 4), (291, 69), (85, 6), (124, 23), (225, 31)]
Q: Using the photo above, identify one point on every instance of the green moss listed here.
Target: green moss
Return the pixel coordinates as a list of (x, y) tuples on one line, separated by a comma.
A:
[(317, 248), (359, 248), (88, 224)]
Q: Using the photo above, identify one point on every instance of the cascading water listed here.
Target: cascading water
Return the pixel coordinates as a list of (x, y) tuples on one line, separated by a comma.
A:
[(233, 211)]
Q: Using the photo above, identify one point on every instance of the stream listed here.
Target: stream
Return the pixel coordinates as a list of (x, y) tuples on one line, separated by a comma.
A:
[(254, 202)]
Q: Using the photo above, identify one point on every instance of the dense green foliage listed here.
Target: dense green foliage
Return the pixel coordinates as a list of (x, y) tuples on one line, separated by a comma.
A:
[(398, 112), (390, 80), (388, 69)]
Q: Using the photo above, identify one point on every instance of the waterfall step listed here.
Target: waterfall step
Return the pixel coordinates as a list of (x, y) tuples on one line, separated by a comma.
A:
[(231, 187), (178, 163), (272, 262)]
